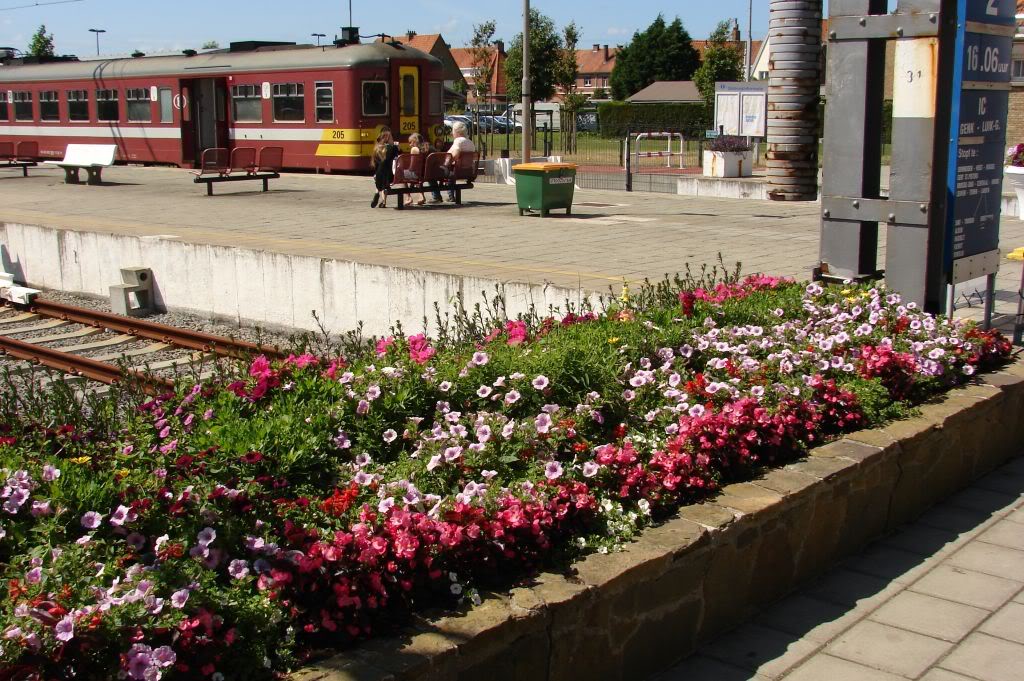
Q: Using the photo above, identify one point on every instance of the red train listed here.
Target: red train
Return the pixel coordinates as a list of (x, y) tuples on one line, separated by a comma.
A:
[(325, 106)]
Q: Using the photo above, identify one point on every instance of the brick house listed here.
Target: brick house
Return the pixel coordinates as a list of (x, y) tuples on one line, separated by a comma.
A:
[(464, 58), (434, 45), (1015, 117), (595, 68)]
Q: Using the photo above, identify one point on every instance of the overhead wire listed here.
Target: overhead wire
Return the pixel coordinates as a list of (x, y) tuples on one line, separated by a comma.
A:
[(39, 4)]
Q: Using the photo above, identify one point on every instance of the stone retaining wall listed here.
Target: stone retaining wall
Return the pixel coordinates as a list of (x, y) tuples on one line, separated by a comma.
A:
[(626, 615)]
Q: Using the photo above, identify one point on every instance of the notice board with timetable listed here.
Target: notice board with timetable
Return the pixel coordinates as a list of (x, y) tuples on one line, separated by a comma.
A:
[(981, 77)]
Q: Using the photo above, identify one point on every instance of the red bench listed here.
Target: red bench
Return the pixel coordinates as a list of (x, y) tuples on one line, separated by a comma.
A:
[(23, 156), (241, 163), (416, 170)]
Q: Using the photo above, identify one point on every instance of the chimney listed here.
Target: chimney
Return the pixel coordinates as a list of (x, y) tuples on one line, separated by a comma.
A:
[(499, 46), (606, 53), (736, 31), (410, 35), (597, 48)]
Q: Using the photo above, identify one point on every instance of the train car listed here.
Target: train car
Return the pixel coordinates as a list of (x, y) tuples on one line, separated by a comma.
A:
[(325, 106)]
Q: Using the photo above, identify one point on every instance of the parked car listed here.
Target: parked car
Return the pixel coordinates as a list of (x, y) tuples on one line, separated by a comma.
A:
[(509, 124)]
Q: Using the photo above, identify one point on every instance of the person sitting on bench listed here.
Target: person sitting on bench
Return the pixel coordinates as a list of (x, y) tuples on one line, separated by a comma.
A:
[(461, 144)]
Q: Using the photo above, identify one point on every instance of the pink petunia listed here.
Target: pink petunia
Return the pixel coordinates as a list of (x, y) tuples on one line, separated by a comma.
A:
[(64, 630), (91, 520), (553, 470)]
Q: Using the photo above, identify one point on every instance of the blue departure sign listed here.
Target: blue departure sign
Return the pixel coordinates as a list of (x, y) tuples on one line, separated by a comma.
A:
[(982, 71)]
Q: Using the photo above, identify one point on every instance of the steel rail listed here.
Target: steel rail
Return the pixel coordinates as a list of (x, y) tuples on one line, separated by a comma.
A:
[(103, 372), (184, 338)]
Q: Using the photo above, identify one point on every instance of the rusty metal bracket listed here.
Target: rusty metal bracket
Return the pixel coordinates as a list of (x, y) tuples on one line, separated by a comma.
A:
[(883, 27), (875, 210)]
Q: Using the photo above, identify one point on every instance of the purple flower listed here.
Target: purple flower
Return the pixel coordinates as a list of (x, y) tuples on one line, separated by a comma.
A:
[(512, 397), (373, 392), (65, 629), (119, 516), (362, 407), (590, 469), (540, 382), (91, 520), (444, 386), (543, 423), (483, 433), (452, 454), (207, 536), (40, 508), (362, 478), (50, 473), (390, 435), (484, 391), (553, 470), (434, 462), (164, 656), (238, 569), (179, 598), (34, 576), (480, 358)]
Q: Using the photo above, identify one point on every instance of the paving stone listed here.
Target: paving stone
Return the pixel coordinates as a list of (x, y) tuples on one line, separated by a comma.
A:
[(1004, 481), (922, 540), (990, 559), (1017, 516), (700, 668), (895, 565), (888, 648), (939, 674), (1004, 533), (930, 616), (966, 586), (765, 651), (984, 500), (811, 618), (1007, 623), (850, 588), (987, 658), (828, 668), (961, 521)]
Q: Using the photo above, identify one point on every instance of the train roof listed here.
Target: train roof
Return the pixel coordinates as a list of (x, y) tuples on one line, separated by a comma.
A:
[(217, 63)]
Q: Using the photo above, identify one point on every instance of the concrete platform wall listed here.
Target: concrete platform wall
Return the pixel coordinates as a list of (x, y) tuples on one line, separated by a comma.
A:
[(249, 286)]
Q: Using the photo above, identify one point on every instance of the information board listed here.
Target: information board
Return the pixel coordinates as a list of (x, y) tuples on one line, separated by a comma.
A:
[(983, 58), (741, 108)]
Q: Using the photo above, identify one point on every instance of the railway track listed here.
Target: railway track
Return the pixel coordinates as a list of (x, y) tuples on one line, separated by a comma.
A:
[(104, 347)]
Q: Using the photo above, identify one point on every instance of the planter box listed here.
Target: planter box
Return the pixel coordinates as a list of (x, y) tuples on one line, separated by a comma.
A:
[(728, 163), (1013, 176), (630, 614)]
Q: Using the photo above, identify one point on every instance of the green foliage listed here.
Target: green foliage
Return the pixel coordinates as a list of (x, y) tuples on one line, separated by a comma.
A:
[(481, 49), (545, 53), (722, 62), (600, 93), (211, 45), (619, 118), (41, 44), (660, 52)]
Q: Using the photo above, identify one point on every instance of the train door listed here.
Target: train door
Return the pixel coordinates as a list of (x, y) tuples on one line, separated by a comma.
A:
[(204, 116), (408, 100)]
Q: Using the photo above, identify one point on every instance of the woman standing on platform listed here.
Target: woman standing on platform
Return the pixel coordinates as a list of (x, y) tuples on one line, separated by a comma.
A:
[(384, 155)]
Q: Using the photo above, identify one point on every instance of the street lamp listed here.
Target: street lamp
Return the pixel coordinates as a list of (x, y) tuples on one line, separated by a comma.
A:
[(318, 36), (97, 31)]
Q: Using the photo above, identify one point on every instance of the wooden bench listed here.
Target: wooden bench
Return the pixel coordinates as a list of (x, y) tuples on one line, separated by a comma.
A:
[(242, 163), (416, 171), (23, 156), (92, 158)]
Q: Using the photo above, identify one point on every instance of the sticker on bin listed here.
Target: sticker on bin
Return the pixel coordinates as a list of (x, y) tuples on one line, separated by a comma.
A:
[(561, 180)]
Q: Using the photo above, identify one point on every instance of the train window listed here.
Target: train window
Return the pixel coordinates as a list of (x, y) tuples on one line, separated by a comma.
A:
[(139, 108), (325, 102), (78, 105), (166, 100), (3, 106), (107, 106), (247, 106), (49, 107), (409, 95), (23, 106), (375, 98), (289, 102), (435, 94)]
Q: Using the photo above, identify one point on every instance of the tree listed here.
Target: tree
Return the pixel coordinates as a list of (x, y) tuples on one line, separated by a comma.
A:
[(567, 70), (481, 49), (660, 52), (211, 45), (722, 62), (42, 44), (545, 49), (600, 93)]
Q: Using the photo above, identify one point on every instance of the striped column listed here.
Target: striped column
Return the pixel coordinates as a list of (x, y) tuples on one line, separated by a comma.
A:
[(794, 35)]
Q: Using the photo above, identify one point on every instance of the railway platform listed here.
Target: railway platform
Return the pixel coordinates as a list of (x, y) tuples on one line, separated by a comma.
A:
[(314, 243)]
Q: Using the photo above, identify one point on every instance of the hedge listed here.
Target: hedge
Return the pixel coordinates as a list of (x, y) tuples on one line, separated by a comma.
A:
[(617, 119)]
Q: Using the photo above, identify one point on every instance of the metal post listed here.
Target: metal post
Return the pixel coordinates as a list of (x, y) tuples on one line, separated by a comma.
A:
[(853, 146), (750, 43), (527, 118), (794, 85), (629, 169), (1018, 322), (990, 301)]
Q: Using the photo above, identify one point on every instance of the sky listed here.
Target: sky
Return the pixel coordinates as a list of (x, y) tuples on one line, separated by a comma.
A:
[(155, 26)]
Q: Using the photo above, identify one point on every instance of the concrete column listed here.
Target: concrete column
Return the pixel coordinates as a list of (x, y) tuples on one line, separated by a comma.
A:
[(794, 34)]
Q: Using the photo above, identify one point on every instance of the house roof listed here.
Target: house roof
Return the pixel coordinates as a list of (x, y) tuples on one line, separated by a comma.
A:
[(668, 91), (755, 47), (593, 61), (424, 42)]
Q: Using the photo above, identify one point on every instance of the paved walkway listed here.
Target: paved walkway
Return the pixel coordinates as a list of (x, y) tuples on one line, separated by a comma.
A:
[(940, 600), (611, 237)]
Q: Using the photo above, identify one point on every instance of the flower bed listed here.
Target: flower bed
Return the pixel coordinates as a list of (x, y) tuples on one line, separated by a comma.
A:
[(230, 529)]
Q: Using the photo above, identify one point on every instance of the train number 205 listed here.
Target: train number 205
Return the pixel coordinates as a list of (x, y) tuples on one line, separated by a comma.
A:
[(338, 134)]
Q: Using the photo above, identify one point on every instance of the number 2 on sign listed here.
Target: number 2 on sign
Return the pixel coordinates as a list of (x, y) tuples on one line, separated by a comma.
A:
[(992, 9)]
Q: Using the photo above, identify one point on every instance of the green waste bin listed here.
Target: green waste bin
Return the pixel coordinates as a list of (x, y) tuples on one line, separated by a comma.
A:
[(544, 186)]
